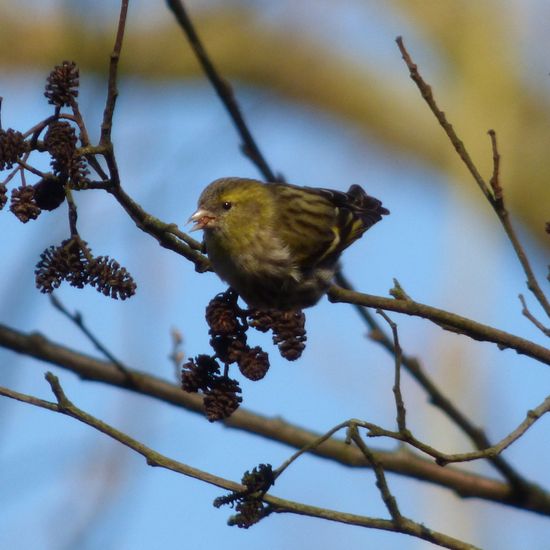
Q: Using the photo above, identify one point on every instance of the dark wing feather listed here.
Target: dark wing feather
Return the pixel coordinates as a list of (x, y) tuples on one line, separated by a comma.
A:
[(318, 224), (357, 212)]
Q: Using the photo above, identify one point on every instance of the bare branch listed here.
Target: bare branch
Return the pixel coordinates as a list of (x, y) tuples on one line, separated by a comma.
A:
[(279, 505), (223, 89), (312, 445), (112, 90), (399, 404), (495, 198), (167, 235), (495, 178), (462, 483), (445, 458), (437, 398), (527, 313), (445, 319), (381, 483), (427, 93)]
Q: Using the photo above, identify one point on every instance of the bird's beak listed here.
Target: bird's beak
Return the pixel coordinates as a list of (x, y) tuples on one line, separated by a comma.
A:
[(202, 219)]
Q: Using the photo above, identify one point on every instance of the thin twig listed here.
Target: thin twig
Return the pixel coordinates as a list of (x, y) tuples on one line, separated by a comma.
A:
[(497, 204), (77, 319), (495, 177), (72, 211), (445, 319), (163, 232), (447, 458), (525, 311), (465, 484), (398, 355), (223, 89), (426, 91), (173, 229), (437, 398), (30, 168), (176, 353), (112, 89), (11, 175), (309, 447), (279, 505), (381, 483), (85, 142)]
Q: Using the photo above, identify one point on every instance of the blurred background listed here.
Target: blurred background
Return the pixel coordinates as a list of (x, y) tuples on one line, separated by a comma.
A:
[(330, 103)]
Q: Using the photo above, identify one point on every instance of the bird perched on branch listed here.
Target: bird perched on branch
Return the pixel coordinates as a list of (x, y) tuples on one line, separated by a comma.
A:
[(277, 244)]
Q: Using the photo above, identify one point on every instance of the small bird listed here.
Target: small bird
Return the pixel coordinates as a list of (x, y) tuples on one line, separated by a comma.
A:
[(277, 245)]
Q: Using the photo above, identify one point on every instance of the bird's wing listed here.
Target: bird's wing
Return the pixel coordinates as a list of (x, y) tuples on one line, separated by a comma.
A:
[(305, 222), (357, 211), (317, 224)]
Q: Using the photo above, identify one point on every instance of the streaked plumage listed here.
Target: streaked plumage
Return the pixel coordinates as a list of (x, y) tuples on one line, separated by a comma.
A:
[(278, 244)]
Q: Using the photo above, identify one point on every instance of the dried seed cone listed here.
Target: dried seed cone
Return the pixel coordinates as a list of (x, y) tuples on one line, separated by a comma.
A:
[(221, 315), (23, 204), (65, 262), (62, 84), (288, 327), (228, 348), (108, 277), (221, 401), (261, 478), (12, 147), (199, 374), (3, 195), (254, 363), (261, 320), (60, 141), (289, 334), (249, 511)]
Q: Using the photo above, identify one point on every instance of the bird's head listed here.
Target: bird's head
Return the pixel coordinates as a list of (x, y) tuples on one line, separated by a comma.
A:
[(230, 204)]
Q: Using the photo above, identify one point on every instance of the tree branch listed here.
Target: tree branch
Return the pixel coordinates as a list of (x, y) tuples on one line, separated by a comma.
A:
[(437, 398), (495, 199), (445, 319), (112, 89), (463, 483), (446, 458), (166, 234), (223, 89), (279, 505)]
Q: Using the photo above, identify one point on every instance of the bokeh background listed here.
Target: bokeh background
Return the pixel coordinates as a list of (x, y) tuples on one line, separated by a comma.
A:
[(330, 102)]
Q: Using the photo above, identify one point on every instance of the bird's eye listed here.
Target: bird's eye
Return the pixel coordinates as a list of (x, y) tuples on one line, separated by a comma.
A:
[(227, 205)]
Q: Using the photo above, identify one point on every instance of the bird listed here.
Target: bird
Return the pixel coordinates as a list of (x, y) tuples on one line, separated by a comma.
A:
[(276, 244)]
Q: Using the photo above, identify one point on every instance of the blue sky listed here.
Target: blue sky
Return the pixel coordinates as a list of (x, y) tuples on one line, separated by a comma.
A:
[(172, 139)]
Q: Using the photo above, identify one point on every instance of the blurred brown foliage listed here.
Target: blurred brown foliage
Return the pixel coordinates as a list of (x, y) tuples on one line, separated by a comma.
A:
[(483, 85)]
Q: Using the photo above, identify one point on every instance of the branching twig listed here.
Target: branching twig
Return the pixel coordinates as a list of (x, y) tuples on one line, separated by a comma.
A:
[(279, 505), (525, 311), (437, 398), (495, 197), (495, 177), (315, 444), (445, 319), (444, 458), (463, 483), (166, 234), (381, 483), (398, 354)]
